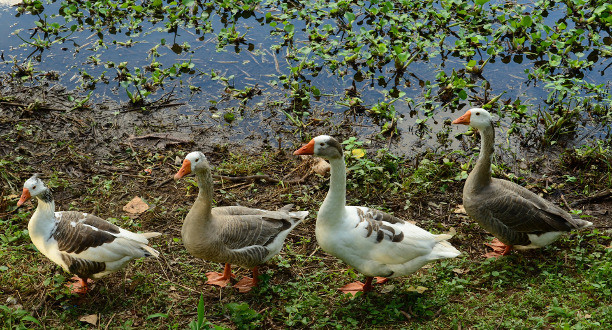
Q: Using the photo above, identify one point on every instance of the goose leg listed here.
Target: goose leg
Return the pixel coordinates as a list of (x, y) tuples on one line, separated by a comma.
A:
[(499, 249), (247, 283), (79, 285), (219, 279)]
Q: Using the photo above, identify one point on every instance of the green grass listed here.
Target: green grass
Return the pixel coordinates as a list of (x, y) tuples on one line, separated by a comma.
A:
[(565, 285)]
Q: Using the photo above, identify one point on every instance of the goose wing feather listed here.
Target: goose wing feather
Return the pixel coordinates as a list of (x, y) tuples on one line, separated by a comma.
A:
[(385, 238), (242, 227), (507, 204), (89, 237)]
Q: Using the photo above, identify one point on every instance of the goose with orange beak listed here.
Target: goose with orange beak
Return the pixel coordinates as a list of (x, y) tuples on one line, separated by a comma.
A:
[(377, 244), (516, 216), (81, 243), (238, 235)]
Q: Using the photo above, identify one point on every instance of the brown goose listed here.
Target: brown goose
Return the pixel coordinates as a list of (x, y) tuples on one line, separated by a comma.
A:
[(81, 243), (231, 234), (373, 242), (516, 216)]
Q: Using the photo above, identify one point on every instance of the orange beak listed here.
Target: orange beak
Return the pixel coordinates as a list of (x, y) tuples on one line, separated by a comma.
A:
[(307, 149), (465, 119), (25, 195), (185, 169)]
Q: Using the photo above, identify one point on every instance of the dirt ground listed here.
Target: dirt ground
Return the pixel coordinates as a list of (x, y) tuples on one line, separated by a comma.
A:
[(102, 158)]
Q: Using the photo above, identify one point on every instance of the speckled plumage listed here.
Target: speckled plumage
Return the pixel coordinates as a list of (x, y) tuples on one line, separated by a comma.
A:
[(83, 244), (373, 242)]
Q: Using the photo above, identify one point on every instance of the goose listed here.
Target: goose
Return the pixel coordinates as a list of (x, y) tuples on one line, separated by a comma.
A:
[(237, 235), (81, 243), (517, 217), (375, 243)]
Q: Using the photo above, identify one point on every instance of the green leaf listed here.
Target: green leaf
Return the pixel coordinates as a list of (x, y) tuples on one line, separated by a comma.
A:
[(289, 28), (156, 315), (555, 60), (526, 21), (30, 318), (201, 311), (481, 2), (350, 17), (462, 94)]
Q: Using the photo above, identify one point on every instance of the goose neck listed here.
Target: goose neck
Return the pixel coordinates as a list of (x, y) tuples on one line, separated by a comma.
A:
[(44, 210), (336, 196), (205, 193), (481, 174)]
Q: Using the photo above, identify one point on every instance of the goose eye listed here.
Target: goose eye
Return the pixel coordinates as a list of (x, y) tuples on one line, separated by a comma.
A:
[(322, 144), (34, 188), (197, 160), (477, 113)]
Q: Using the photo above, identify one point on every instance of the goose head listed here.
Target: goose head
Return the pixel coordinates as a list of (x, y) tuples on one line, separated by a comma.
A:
[(31, 188), (476, 117), (323, 146), (194, 162)]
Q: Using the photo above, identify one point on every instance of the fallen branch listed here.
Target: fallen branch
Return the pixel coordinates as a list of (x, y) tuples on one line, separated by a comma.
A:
[(40, 106), (160, 136), (264, 177), (596, 197)]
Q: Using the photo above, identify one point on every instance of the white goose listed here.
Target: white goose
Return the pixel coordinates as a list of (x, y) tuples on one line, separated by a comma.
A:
[(373, 242), (81, 243)]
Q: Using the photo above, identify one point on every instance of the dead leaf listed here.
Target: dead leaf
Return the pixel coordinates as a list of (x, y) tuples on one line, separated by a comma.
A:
[(136, 206), (321, 166), (91, 319), (460, 271), (419, 289), (9, 197), (387, 288), (460, 210)]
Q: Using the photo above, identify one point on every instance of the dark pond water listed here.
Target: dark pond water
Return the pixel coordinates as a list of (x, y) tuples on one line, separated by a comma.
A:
[(259, 61)]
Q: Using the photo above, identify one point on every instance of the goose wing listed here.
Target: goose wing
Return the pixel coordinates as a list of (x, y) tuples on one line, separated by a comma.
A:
[(86, 236), (245, 227), (507, 204), (382, 237)]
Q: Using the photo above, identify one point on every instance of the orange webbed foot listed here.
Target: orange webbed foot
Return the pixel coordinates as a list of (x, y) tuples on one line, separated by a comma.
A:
[(499, 249), (219, 279), (353, 288), (79, 285), (245, 284)]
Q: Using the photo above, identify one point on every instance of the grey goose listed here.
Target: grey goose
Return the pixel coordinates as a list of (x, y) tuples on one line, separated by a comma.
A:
[(516, 216)]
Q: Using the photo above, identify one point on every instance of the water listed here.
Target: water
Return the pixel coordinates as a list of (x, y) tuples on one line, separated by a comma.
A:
[(256, 62)]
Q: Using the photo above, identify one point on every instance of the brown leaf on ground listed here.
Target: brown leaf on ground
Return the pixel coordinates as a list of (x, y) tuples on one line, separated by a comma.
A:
[(460, 210), (321, 166), (460, 271), (91, 319), (136, 206), (419, 289)]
